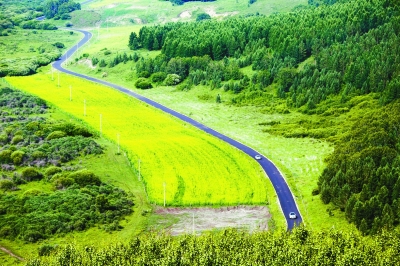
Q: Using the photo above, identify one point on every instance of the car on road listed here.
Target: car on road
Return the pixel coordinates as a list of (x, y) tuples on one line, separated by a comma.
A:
[(258, 157), (292, 215)]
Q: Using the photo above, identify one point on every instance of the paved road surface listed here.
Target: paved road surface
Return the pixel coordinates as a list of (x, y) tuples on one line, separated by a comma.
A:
[(285, 196)]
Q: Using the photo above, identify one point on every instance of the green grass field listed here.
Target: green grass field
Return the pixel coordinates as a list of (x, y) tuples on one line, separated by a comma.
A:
[(196, 168)]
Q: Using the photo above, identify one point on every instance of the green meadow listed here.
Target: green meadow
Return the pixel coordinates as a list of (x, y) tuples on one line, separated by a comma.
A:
[(154, 11)]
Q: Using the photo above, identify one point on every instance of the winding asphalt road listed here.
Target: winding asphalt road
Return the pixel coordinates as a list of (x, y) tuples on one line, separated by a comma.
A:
[(285, 196)]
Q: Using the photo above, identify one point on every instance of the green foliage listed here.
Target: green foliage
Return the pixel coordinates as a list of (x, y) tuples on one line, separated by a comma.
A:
[(84, 178), (59, 45), (17, 157), (39, 141), (233, 247), (5, 156), (143, 83), (218, 99), (34, 24), (361, 176), (172, 79), (6, 184), (203, 16), (158, 77), (31, 174), (52, 8), (52, 170), (56, 135), (40, 216)]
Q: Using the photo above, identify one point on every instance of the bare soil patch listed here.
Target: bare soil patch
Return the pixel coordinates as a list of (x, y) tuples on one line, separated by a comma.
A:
[(87, 62), (251, 218), (185, 14), (211, 11)]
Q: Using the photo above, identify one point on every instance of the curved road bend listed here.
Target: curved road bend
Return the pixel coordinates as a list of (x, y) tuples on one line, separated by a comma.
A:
[(285, 196)]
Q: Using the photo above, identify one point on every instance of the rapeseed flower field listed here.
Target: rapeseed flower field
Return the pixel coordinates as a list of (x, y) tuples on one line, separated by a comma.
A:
[(196, 168)]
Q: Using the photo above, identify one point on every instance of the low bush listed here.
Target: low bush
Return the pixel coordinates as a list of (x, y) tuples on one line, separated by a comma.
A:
[(31, 174), (143, 84), (6, 184), (158, 77), (56, 135), (52, 170), (84, 178), (172, 79), (17, 157)]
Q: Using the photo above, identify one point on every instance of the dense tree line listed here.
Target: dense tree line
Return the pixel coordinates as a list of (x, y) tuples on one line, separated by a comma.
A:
[(233, 247), (36, 149), (57, 8), (362, 174), (341, 38)]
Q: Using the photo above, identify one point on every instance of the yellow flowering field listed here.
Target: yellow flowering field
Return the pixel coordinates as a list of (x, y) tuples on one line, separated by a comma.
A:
[(195, 167)]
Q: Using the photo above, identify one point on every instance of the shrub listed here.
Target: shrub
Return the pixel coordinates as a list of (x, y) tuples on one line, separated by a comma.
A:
[(32, 193), (65, 16), (38, 155), (32, 236), (17, 139), (63, 182), (17, 157), (59, 45), (143, 84), (203, 16), (144, 74), (6, 231), (172, 79), (6, 184), (315, 191), (107, 52), (3, 138), (5, 156), (31, 174), (84, 178), (185, 86), (46, 249), (52, 170), (56, 135), (158, 77)]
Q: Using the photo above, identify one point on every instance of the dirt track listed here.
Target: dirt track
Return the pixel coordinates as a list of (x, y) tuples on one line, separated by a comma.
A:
[(10, 253)]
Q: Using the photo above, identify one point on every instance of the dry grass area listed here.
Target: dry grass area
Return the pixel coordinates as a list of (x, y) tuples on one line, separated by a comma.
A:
[(197, 220)]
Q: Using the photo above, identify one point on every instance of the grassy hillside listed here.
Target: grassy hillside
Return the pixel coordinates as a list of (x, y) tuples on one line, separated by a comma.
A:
[(23, 51), (154, 11)]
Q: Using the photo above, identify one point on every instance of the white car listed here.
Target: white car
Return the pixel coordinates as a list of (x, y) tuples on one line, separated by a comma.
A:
[(258, 157), (292, 215)]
